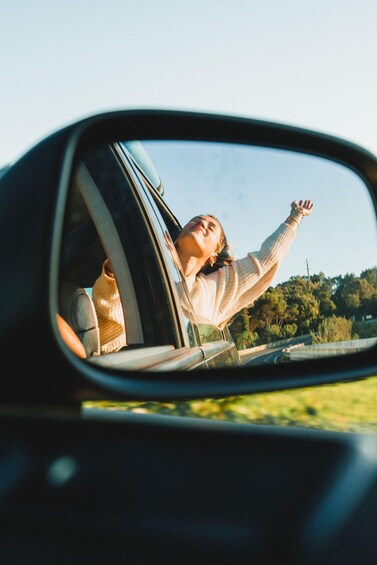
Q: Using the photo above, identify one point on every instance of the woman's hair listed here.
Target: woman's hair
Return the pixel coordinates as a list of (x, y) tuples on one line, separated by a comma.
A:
[(223, 253)]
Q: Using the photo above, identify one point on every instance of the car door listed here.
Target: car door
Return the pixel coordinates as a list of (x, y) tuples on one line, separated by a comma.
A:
[(125, 213)]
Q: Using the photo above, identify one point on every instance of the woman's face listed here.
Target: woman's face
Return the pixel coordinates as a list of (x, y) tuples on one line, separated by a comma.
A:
[(201, 237)]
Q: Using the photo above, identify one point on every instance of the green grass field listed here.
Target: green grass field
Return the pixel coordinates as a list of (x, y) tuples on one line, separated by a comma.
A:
[(346, 407)]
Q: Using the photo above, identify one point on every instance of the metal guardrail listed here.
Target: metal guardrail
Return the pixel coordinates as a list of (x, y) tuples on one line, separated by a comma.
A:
[(280, 343), (247, 354), (301, 351)]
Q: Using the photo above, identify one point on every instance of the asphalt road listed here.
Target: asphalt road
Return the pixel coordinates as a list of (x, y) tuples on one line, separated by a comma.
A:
[(269, 356), (273, 354)]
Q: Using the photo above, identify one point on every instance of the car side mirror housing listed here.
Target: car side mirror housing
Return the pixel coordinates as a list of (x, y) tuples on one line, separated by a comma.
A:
[(107, 197)]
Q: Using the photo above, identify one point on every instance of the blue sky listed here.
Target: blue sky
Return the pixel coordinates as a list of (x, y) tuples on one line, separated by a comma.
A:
[(305, 63), (250, 190)]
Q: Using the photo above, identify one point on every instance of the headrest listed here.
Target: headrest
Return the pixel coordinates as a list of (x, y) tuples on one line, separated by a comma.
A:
[(77, 308)]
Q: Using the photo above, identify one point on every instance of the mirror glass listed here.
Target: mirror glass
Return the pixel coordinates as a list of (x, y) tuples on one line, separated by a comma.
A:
[(291, 280)]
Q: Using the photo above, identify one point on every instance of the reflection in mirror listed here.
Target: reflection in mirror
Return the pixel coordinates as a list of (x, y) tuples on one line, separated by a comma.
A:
[(186, 255)]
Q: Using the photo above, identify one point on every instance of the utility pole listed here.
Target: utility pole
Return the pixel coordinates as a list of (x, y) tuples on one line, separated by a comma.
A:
[(307, 270)]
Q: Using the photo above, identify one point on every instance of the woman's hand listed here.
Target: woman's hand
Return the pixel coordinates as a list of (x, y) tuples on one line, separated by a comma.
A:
[(298, 211), (303, 207)]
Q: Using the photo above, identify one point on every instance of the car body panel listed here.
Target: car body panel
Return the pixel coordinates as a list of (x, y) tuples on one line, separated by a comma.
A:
[(155, 488)]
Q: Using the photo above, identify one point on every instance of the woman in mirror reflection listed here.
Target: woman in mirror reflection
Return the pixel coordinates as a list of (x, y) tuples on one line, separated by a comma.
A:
[(218, 285)]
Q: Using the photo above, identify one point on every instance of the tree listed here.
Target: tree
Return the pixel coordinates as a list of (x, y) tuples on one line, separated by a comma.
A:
[(323, 288), (303, 306), (243, 336), (370, 275), (269, 309), (333, 329), (353, 294)]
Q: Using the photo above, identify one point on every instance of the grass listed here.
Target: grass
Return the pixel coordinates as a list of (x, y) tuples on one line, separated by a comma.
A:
[(346, 407)]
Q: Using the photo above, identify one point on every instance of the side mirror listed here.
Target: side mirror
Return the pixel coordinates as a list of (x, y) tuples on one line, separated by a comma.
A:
[(297, 307)]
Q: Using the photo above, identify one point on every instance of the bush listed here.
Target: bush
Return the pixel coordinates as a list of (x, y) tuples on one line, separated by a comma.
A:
[(333, 329), (246, 339)]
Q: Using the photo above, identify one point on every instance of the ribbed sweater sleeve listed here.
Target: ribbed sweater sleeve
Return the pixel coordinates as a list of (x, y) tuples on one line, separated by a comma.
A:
[(215, 297), (109, 312), (218, 296)]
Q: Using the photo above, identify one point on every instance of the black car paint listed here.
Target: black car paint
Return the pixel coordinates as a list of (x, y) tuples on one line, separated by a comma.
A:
[(161, 489)]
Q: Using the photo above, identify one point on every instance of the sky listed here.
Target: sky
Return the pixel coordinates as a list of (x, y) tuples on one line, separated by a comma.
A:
[(250, 189), (299, 62), (305, 63)]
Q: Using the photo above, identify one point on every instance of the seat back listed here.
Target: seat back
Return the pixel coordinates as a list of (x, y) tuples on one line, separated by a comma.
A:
[(77, 309)]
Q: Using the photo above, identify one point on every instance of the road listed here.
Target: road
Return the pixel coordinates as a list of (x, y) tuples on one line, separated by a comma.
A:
[(269, 356), (272, 354)]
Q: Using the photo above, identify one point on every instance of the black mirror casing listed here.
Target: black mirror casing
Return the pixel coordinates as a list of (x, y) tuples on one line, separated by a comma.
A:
[(34, 365)]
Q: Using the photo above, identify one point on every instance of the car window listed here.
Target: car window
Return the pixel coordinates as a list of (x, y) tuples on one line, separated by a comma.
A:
[(169, 230), (183, 312), (209, 333), (117, 227), (82, 253), (144, 164)]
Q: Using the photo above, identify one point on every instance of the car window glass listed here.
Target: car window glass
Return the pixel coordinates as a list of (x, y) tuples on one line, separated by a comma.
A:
[(144, 164), (209, 333), (177, 283), (82, 253)]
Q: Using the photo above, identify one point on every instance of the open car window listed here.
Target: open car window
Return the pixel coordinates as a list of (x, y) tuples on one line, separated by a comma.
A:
[(205, 333), (116, 217), (110, 217)]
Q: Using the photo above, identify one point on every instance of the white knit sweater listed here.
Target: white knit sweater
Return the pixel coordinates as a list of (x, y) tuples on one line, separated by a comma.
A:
[(218, 296), (215, 297)]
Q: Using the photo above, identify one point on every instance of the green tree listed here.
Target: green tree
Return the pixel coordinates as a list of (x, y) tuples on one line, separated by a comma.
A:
[(302, 304), (289, 330), (271, 333), (269, 309), (241, 331), (353, 295), (333, 329), (370, 275), (323, 288)]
